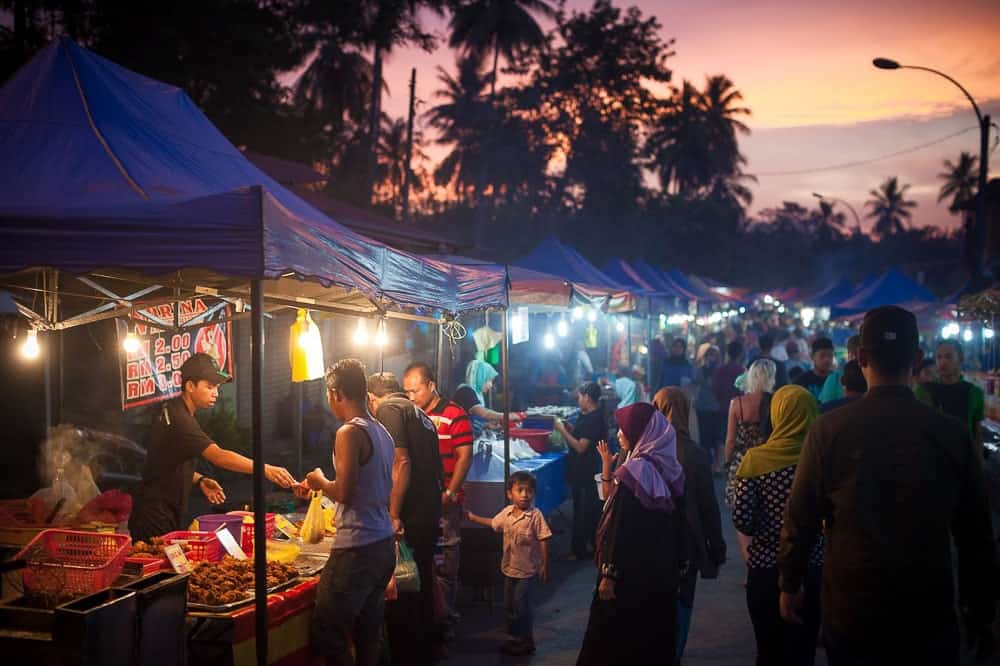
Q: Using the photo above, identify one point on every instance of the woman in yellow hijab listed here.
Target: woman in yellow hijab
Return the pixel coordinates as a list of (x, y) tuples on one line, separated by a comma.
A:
[(763, 483)]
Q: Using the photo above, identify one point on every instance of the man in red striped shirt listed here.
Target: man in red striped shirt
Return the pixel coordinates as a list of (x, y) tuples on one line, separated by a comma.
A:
[(455, 445)]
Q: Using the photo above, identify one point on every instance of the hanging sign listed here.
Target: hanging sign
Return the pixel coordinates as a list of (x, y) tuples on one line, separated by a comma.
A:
[(152, 373)]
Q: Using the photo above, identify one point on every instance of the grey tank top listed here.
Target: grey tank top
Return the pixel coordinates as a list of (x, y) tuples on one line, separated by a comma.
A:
[(366, 519)]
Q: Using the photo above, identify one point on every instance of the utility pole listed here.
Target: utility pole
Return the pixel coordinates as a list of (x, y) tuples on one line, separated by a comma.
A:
[(408, 171)]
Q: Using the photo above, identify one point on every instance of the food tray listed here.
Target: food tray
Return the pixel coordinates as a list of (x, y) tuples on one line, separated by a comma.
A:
[(68, 562), (309, 565), (226, 608), (205, 546)]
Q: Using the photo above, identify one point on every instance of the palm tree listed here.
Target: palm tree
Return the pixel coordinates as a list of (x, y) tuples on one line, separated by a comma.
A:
[(960, 181), (479, 27), (462, 124), (889, 208), (336, 84), (392, 157)]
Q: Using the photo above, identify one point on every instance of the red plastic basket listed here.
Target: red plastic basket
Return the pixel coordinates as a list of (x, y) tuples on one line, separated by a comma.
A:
[(65, 562), (536, 439), (148, 565), (246, 535), (205, 546)]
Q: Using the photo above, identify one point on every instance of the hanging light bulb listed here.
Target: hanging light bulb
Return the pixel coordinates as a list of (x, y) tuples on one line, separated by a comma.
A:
[(381, 339), (549, 340), (620, 326), (131, 344), (592, 315), (988, 333), (30, 349), (577, 313), (967, 335), (360, 337), (306, 354), (562, 328)]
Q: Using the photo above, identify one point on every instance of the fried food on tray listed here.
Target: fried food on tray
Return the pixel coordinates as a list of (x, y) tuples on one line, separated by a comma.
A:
[(230, 581), (154, 549)]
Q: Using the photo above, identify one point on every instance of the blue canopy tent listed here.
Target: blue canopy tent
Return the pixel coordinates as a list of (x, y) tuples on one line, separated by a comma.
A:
[(832, 294), (107, 168), (121, 181), (590, 284), (892, 287)]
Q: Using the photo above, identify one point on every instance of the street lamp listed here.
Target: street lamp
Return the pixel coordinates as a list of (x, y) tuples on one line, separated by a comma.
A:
[(857, 219), (984, 140)]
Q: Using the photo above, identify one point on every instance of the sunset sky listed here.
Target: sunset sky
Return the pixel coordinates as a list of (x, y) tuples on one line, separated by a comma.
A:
[(805, 70)]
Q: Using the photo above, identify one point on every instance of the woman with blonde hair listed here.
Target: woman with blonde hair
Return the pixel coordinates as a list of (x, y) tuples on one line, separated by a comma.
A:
[(748, 423)]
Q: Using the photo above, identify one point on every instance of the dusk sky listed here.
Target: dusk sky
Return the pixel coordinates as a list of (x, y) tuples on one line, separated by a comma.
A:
[(805, 71)]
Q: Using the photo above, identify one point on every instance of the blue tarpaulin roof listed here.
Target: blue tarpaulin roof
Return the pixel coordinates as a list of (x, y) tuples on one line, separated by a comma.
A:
[(890, 288), (831, 295), (103, 167), (551, 256)]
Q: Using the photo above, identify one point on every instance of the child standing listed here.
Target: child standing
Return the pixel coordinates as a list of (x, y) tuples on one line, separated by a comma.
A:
[(525, 556)]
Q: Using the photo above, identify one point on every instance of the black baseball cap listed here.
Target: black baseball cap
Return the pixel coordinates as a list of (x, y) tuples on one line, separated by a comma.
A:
[(202, 366), (890, 330)]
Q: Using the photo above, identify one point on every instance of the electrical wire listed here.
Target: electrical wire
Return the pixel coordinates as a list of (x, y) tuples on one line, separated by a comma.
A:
[(454, 331), (856, 163)]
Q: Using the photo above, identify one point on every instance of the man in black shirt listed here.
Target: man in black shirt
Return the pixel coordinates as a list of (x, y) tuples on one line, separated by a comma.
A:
[(415, 508), (822, 358), (889, 481), (175, 443), (582, 463), (853, 383)]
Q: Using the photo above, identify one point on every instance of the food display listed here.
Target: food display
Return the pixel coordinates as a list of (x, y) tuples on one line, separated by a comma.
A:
[(231, 581), (154, 548)]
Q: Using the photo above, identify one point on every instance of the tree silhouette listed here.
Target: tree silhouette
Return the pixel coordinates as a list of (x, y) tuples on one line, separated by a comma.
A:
[(392, 160), (960, 181), (492, 27), (889, 208)]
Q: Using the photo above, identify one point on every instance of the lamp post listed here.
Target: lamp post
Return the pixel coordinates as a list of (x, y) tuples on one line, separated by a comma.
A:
[(984, 140), (857, 218)]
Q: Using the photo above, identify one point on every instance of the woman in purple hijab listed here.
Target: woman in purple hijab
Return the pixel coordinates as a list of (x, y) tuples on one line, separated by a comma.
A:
[(640, 545)]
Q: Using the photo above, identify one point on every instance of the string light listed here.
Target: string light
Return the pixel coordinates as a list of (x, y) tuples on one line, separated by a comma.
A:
[(620, 327), (967, 335), (577, 313), (360, 337), (592, 315), (562, 328), (988, 333), (30, 349)]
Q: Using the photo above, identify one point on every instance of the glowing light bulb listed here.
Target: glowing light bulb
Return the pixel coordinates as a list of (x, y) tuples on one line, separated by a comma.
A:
[(577, 313), (549, 340), (620, 327), (743, 310), (30, 349), (988, 333), (643, 349), (781, 309), (360, 337), (381, 339), (562, 328), (131, 343), (768, 298), (592, 315), (967, 335)]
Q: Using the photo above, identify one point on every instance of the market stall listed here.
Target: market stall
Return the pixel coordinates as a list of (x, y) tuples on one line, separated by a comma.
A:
[(119, 196)]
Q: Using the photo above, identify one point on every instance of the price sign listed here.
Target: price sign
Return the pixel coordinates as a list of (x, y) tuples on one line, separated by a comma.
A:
[(152, 372), (229, 543), (178, 560)]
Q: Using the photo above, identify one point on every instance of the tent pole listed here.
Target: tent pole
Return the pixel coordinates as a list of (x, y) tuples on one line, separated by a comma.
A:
[(297, 396), (439, 370), (505, 370), (259, 527)]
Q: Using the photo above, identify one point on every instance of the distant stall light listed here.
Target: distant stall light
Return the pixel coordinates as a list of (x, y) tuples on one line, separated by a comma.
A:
[(643, 349), (743, 310), (360, 337), (131, 343), (578, 313), (769, 299), (381, 337), (592, 315), (967, 335), (781, 309), (620, 326), (950, 331), (562, 328), (988, 333), (808, 314), (30, 349), (676, 319), (549, 340)]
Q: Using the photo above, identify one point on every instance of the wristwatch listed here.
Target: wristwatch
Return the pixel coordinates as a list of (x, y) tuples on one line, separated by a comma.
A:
[(448, 493)]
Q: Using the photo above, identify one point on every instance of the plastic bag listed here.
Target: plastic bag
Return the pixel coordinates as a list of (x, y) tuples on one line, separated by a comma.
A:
[(314, 524), (406, 574)]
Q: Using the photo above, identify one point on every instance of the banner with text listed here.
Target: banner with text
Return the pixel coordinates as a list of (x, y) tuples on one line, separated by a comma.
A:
[(153, 373)]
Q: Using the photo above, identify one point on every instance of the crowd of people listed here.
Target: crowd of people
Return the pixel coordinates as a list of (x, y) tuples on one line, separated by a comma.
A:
[(848, 486)]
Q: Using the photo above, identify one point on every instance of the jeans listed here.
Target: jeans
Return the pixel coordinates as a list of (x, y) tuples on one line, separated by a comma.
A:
[(517, 593), (447, 573), (410, 619), (781, 643), (586, 512), (350, 604)]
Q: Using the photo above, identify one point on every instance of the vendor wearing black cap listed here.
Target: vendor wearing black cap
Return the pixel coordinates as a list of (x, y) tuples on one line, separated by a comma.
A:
[(175, 442), (891, 482)]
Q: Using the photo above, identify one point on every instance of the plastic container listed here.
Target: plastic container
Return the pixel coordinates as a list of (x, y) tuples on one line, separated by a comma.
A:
[(536, 439), (205, 546), (62, 562), (212, 521), (246, 537), (162, 602)]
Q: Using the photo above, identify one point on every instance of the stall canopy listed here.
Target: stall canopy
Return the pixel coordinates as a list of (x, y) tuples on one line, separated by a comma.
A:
[(892, 287), (589, 283), (832, 294), (105, 168), (525, 286)]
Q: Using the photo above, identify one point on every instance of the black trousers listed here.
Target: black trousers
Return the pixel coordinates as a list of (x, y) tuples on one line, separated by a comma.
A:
[(586, 512), (780, 643), (410, 618), (935, 646)]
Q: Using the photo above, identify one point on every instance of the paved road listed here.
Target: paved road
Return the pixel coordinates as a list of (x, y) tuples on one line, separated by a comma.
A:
[(721, 634)]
